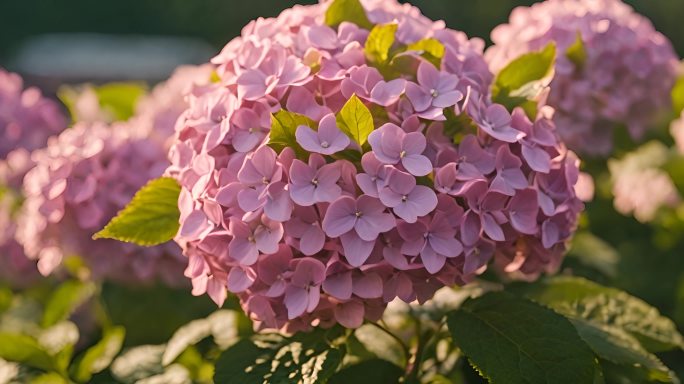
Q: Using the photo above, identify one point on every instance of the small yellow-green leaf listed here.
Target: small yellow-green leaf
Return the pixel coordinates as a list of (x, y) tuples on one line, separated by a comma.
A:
[(116, 101), (355, 120), (347, 10), (379, 43), (431, 49), (283, 127), (151, 218), (523, 78), (678, 96), (577, 52), (24, 349)]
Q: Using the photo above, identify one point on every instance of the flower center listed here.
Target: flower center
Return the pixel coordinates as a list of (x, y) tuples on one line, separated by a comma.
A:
[(402, 154), (434, 92), (251, 130), (325, 144), (251, 239), (404, 198), (314, 182), (358, 214), (265, 181)]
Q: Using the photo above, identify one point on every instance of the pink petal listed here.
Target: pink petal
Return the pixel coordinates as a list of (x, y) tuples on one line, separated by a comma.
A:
[(239, 280), (350, 314), (339, 285), (368, 286), (356, 250)]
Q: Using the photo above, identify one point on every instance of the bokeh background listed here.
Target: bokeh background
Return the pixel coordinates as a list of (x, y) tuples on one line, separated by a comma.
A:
[(52, 42), (203, 27)]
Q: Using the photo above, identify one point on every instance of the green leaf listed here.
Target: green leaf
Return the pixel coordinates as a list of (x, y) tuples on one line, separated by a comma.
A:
[(24, 349), (283, 127), (65, 300), (577, 52), (99, 356), (629, 374), (347, 10), (513, 340), (380, 344), (49, 378), (151, 218), (619, 347), (138, 363), (120, 98), (524, 78), (594, 252), (576, 297), (6, 297), (431, 49), (280, 362), (369, 371), (131, 306), (678, 96), (355, 120), (196, 330), (117, 101), (379, 43)]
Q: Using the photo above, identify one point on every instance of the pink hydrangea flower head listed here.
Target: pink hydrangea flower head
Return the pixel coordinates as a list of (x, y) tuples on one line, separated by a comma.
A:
[(337, 213), (79, 182), (624, 78)]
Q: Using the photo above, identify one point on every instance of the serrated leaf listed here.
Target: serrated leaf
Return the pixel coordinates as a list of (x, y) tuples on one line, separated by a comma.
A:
[(379, 42), (100, 356), (25, 350), (431, 49), (576, 297), (151, 218), (355, 120), (369, 371), (196, 330), (283, 127), (619, 347), (288, 361), (577, 52), (65, 300), (514, 340), (524, 78), (347, 10)]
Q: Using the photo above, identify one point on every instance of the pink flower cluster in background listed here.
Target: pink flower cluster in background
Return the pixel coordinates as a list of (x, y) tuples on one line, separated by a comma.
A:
[(624, 80), (332, 227), (27, 119), (90, 172)]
